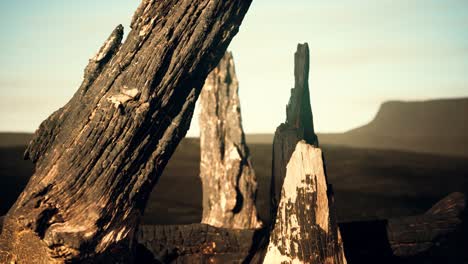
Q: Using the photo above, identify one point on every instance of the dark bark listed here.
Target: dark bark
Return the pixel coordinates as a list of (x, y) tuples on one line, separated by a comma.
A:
[(98, 157), (228, 178), (196, 243), (410, 236)]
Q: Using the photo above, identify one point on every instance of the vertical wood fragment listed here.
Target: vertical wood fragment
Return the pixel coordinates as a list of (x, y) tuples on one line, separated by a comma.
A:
[(298, 126), (228, 178), (304, 228)]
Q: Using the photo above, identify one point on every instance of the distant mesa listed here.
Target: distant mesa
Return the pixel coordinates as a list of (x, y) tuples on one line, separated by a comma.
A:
[(435, 118), (14, 139), (434, 126)]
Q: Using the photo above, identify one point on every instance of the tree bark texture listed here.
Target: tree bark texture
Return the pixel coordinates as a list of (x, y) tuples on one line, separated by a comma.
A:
[(98, 157), (228, 178)]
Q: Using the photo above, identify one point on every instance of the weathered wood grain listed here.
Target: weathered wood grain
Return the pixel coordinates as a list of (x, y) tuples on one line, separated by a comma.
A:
[(228, 178), (98, 157), (304, 230)]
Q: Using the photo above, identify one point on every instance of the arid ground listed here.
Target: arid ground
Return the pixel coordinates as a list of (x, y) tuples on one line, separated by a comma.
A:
[(368, 183)]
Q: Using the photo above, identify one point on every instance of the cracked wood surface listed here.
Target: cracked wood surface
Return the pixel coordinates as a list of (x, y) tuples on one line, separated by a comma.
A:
[(99, 156), (228, 178)]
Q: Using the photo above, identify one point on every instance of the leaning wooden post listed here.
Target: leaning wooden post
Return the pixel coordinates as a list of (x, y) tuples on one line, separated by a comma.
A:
[(304, 228), (98, 157), (226, 172)]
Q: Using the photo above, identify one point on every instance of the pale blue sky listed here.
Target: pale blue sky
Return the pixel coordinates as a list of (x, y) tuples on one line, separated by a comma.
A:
[(363, 52)]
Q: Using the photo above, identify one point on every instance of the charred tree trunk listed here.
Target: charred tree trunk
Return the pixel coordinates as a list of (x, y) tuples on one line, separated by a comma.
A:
[(298, 126), (98, 157), (228, 179), (196, 243), (305, 228)]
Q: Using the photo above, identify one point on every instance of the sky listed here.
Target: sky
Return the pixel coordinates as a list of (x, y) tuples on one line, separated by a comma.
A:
[(362, 53)]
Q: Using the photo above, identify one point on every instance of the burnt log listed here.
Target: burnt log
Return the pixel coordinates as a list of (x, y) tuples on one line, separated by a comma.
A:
[(436, 230), (298, 126), (304, 227), (195, 243), (226, 172), (98, 157), (437, 236)]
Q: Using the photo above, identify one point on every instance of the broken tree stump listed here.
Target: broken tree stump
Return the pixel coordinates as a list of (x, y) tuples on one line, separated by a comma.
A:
[(228, 178), (304, 229), (298, 126), (98, 157)]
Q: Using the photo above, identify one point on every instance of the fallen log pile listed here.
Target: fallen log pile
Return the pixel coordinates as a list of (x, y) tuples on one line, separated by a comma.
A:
[(364, 242)]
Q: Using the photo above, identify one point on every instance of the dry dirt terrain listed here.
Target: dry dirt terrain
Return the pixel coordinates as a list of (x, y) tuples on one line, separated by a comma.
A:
[(368, 183)]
